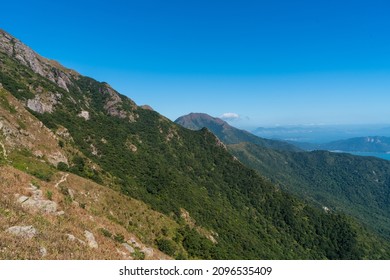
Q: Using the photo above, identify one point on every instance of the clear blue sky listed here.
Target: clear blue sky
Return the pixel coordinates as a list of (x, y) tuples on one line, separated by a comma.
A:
[(270, 62)]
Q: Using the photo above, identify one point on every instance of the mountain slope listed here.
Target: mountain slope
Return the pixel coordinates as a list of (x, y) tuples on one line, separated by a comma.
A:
[(220, 208), (355, 185), (62, 210), (229, 134)]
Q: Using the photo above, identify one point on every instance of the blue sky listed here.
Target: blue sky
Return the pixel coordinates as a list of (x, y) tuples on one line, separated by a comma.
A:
[(269, 62)]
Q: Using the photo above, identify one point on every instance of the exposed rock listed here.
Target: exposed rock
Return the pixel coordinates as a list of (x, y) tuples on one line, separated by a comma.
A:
[(113, 103), (43, 252), (26, 232), (128, 248), (41, 205), (91, 239), (42, 66), (84, 115), (149, 252), (172, 133), (133, 117), (38, 154), (36, 202), (57, 157), (220, 143), (187, 218), (94, 150), (43, 103), (64, 133), (131, 147)]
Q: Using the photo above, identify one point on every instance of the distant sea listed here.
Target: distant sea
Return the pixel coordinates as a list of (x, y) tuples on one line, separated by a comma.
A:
[(368, 154)]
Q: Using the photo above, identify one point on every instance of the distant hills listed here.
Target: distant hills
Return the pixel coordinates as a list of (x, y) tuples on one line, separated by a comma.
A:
[(320, 133), (356, 185), (374, 144)]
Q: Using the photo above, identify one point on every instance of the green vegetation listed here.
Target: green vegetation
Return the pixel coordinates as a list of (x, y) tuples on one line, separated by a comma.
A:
[(4, 102), (167, 246), (49, 195), (26, 162), (342, 182), (174, 168), (355, 185)]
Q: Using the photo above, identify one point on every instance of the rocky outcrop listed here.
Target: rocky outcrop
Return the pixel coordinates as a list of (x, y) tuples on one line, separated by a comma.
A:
[(42, 66), (84, 114), (44, 103), (114, 103), (64, 133), (36, 202), (26, 232)]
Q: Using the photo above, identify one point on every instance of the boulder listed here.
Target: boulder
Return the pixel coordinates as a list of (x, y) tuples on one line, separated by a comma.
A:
[(26, 232), (91, 239)]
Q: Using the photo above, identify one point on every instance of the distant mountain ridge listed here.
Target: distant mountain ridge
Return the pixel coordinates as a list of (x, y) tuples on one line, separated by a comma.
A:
[(229, 134), (320, 133), (375, 144)]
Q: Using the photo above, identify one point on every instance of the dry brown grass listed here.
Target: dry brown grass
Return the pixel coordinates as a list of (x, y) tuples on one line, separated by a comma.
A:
[(110, 216), (22, 130)]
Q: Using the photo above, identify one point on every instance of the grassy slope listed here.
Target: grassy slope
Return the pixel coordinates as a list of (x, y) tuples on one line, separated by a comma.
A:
[(93, 208)]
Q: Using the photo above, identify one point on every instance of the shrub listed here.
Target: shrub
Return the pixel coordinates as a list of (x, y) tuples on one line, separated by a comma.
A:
[(167, 246)]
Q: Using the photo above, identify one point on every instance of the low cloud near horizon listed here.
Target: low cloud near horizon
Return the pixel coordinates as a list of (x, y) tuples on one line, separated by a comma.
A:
[(230, 116)]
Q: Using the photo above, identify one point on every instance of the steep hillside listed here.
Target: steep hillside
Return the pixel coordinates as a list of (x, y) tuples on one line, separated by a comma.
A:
[(218, 208), (69, 217), (358, 186)]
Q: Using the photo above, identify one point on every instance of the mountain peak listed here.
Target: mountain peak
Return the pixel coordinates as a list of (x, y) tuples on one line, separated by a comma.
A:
[(196, 121), (227, 133), (49, 69)]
